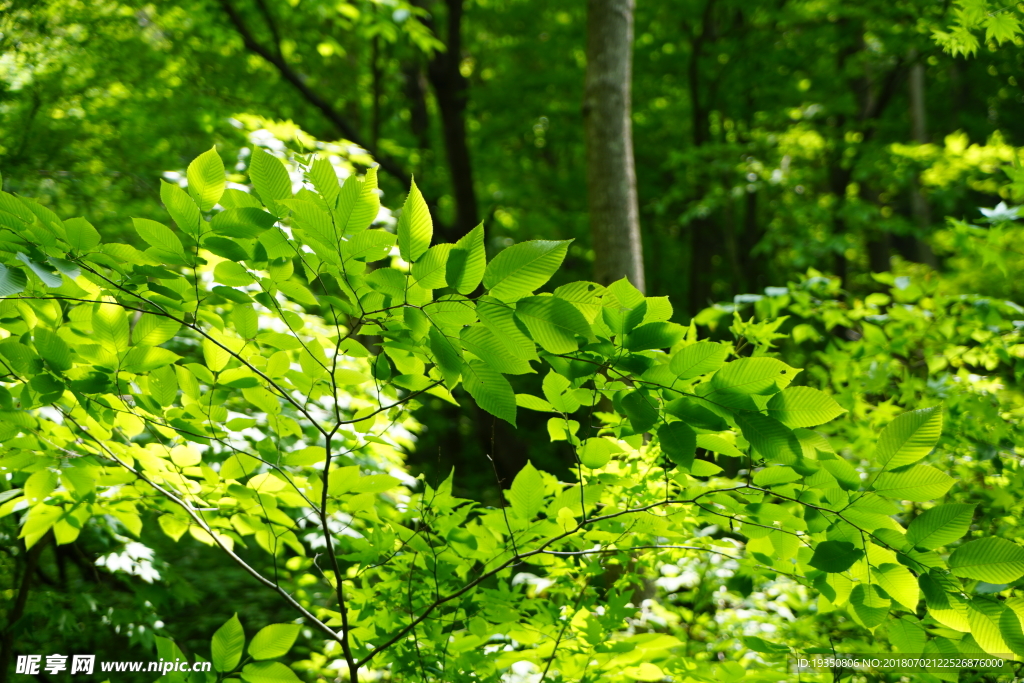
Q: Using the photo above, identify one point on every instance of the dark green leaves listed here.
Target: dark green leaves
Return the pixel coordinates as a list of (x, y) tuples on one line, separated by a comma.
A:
[(490, 390), (770, 438), (678, 442), (243, 223), (522, 268), (940, 526), (835, 556)]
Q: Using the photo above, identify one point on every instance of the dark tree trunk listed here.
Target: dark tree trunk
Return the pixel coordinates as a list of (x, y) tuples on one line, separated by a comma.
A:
[(451, 90), (611, 173)]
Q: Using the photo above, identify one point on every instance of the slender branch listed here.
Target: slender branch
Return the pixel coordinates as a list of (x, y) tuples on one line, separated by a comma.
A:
[(311, 96)]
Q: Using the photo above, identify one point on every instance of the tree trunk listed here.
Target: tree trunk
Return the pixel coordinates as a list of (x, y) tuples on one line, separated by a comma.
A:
[(920, 250), (451, 90), (611, 173)]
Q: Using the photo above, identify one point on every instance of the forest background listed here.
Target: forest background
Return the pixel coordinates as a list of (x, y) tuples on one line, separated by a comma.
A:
[(853, 151)]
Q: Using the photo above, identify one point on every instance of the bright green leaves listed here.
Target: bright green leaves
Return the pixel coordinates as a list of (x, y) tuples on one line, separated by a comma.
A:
[(268, 672), (206, 179), (522, 268), (835, 556), (527, 493), (429, 271), (699, 359), (271, 180), (490, 390), (273, 641), (909, 437), (82, 236), (53, 349), (242, 223), (553, 323), (899, 584), (181, 206), (226, 645), (940, 526), (803, 407), (467, 261), (597, 451), (358, 203), (753, 376), (870, 605), (415, 227), (994, 560), (917, 483), (164, 242), (110, 327)]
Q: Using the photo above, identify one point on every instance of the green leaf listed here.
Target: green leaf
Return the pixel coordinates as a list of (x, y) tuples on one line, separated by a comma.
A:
[(358, 203), (325, 180), (659, 335), (158, 236), (53, 349), (770, 438), (500, 319), (553, 323), (522, 268), (870, 606), (678, 442), (110, 327), (154, 330), (1011, 631), (81, 235), (12, 281), (994, 560), (206, 179), (182, 208), (415, 227), (919, 483), (940, 526), (271, 180), (716, 444), (835, 556), (490, 390), (226, 645), (48, 277), (527, 493), (429, 271), (1001, 27), (597, 451), (242, 223), (760, 376), (467, 261), (909, 437), (641, 410), (482, 343), (898, 583), (803, 407), (273, 641), (268, 672), (369, 245), (447, 356), (245, 320), (699, 359)]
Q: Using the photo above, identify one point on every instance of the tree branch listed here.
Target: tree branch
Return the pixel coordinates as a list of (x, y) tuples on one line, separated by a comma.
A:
[(325, 107)]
